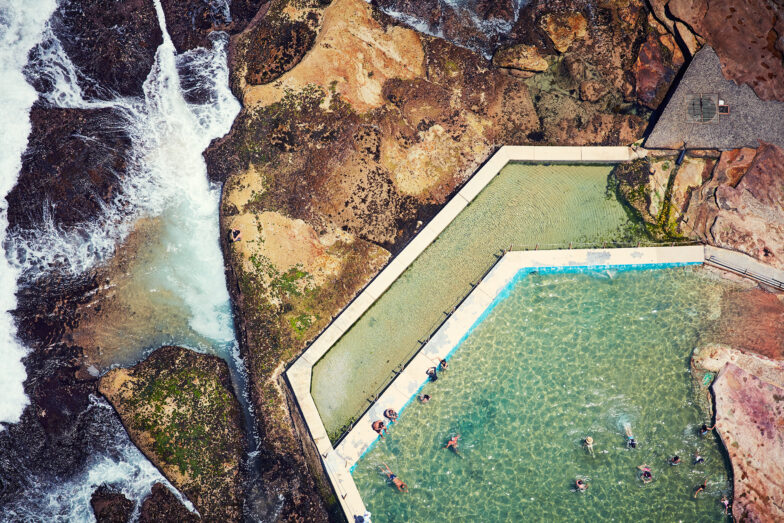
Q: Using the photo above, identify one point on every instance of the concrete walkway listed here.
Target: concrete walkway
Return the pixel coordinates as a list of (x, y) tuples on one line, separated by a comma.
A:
[(744, 265)]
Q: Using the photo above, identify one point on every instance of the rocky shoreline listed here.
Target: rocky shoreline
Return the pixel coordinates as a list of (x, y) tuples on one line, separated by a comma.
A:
[(355, 131)]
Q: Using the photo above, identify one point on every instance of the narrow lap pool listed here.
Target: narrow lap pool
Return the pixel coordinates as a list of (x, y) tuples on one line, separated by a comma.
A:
[(562, 357)]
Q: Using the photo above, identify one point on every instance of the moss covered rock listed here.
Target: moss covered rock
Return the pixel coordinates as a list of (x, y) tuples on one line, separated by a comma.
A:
[(179, 409)]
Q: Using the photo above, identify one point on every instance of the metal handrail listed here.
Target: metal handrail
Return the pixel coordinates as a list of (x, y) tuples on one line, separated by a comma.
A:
[(773, 282)]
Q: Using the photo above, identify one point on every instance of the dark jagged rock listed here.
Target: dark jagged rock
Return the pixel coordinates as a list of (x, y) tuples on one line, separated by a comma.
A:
[(657, 63), (113, 42), (71, 168), (162, 505), (110, 506), (179, 408)]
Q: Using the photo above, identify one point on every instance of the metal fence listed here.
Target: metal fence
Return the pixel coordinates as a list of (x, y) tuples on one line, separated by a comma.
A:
[(428, 332)]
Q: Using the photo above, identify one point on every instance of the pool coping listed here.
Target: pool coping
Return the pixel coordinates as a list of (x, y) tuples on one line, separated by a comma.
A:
[(299, 374)]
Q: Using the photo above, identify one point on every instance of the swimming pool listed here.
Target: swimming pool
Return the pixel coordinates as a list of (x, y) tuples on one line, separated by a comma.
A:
[(525, 204), (563, 356)]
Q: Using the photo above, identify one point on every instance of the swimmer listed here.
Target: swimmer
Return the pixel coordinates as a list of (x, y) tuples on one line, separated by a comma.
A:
[(443, 365), (588, 444), (698, 459), (379, 427), (402, 487), (675, 460), (390, 414), (646, 476), (705, 429), (726, 503), (424, 398), (700, 488), (432, 374), (581, 485), (630, 441), (452, 443)]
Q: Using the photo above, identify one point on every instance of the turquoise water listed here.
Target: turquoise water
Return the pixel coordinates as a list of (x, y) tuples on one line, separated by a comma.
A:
[(524, 205), (562, 357)]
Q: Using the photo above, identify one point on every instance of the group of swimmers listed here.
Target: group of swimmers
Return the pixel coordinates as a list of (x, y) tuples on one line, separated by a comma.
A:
[(380, 426), (645, 474)]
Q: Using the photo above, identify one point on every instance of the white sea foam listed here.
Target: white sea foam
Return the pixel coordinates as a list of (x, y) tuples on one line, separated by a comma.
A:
[(21, 27)]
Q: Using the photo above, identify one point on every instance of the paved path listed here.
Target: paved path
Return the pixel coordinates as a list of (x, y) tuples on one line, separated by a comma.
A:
[(744, 265)]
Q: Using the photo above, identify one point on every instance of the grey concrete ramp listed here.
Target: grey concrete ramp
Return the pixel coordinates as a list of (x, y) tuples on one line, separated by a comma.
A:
[(707, 111)]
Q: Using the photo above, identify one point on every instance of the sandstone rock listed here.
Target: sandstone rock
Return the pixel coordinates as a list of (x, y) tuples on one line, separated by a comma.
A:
[(179, 408), (162, 505), (687, 37), (521, 56), (592, 90), (752, 321), (110, 506), (750, 422), (564, 28), (661, 169), (713, 358), (744, 36), (742, 210), (691, 174), (654, 71)]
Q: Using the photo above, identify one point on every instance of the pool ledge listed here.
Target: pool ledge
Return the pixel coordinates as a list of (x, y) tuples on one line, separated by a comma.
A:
[(340, 461)]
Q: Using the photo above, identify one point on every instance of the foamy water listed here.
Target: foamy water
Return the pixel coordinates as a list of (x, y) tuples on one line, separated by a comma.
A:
[(21, 27)]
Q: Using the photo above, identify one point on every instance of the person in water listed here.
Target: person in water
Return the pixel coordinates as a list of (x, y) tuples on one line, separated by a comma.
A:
[(432, 373), (645, 473), (452, 443), (705, 429), (581, 485), (390, 414), (424, 398), (402, 487), (630, 441), (700, 488), (675, 460), (726, 503), (379, 427), (443, 365), (698, 459), (588, 444)]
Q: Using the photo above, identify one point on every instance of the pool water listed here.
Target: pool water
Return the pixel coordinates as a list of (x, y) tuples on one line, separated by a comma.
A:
[(562, 357), (525, 204)]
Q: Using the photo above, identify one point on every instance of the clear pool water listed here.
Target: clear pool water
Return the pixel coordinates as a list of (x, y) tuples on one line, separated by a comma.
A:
[(562, 357), (524, 205)]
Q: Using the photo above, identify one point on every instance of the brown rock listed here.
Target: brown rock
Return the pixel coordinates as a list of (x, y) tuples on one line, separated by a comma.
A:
[(523, 57), (689, 176), (733, 164), (752, 321), (592, 90), (687, 37), (750, 422), (564, 28), (745, 36), (110, 506), (163, 505), (654, 71), (179, 408)]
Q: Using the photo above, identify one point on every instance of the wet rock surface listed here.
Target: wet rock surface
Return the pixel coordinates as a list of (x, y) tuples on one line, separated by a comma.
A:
[(179, 408), (162, 505), (110, 505), (749, 420)]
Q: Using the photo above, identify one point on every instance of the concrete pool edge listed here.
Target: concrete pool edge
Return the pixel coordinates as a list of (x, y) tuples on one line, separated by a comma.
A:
[(339, 461)]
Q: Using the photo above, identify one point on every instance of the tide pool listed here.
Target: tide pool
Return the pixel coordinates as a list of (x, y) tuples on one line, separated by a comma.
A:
[(562, 357)]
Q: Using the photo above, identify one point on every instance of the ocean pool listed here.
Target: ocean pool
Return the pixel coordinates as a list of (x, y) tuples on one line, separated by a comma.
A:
[(562, 357), (525, 204)]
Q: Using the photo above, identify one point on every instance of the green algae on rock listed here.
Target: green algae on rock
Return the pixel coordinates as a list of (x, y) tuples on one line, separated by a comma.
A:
[(179, 409)]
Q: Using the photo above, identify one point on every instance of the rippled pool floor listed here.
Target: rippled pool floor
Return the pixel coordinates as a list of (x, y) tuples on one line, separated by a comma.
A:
[(564, 356)]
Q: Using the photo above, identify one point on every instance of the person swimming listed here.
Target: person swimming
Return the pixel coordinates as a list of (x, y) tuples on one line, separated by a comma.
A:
[(588, 444), (581, 485), (424, 398), (432, 373), (675, 460), (705, 429), (698, 459), (726, 503), (390, 414), (645, 473), (443, 365), (630, 441), (401, 486), (700, 488), (452, 443), (379, 427)]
